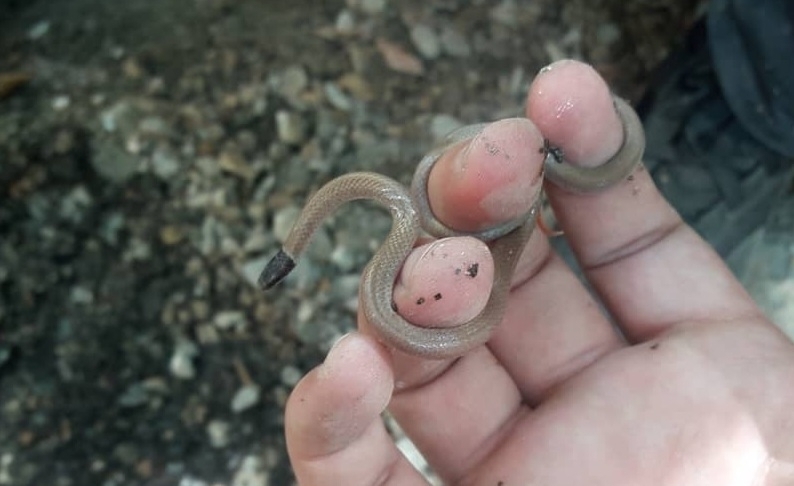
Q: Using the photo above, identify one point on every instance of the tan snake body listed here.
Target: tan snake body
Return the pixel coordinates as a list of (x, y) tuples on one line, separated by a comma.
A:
[(411, 213)]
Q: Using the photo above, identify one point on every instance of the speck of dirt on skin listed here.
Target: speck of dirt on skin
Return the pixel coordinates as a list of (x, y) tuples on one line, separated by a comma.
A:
[(492, 148), (655, 346), (420, 301), (471, 270), (630, 177), (437, 297), (458, 271)]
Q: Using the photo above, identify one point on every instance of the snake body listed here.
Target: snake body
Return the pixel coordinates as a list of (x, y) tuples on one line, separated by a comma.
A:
[(411, 214)]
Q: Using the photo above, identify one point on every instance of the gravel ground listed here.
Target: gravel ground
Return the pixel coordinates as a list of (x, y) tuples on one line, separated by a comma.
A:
[(152, 155)]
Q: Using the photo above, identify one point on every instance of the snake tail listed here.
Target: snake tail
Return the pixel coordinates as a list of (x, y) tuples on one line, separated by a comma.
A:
[(276, 269)]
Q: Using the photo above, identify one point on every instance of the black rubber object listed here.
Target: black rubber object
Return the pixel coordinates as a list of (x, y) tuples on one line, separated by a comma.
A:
[(722, 177)]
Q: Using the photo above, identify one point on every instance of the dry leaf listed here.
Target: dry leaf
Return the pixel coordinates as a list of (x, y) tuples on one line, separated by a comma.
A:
[(398, 59)]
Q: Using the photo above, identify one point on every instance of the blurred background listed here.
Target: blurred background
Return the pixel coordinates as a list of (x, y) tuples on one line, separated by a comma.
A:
[(154, 153)]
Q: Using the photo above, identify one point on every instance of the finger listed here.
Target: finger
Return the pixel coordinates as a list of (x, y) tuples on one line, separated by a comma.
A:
[(477, 388), (445, 283), (650, 269), (333, 427), (553, 327), (490, 179)]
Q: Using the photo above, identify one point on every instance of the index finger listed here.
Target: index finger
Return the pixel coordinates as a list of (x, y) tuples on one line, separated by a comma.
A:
[(651, 270)]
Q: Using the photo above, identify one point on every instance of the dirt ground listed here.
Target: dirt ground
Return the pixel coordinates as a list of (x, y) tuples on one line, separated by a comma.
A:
[(151, 154)]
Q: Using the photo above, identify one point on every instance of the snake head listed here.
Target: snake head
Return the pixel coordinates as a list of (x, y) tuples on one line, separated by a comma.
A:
[(276, 269)]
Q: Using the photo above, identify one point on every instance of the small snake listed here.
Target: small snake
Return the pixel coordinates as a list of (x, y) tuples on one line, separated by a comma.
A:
[(411, 213)]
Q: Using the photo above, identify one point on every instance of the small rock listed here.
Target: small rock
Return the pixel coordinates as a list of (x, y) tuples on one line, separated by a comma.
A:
[(227, 320), (61, 102), (251, 473), (181, 363), (154, 125), (39, 30), (426, 41), (137, 250), (346, 287), (76, 204), (245, 398), (252, 268), (455, 44), (165, 164), (290, 375), (344, 258), (345, 22), (283, 221), (442, 125), (337, 98), (505, 13), (608, 33), (110, 228), (171, 234), (134, 396), (372, 7), (291, 127), (232, 161), (290, 82), (218, 433), (357, 86), (112, 162), (189, 481), (81, 295)]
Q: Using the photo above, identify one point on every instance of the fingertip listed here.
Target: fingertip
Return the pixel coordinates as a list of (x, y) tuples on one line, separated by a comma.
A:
[(492, 178), (335, 403), (445, 283), (572, 106)]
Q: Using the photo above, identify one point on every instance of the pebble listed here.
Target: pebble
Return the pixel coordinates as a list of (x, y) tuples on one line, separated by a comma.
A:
[(190, 481), (39, 30), (426, 41), (111, 161), (290, 127), (251, 473), (246, 397), (337, 98), (371, 7), (290, 375), (505, 13), (218, 433), (181, 363), (290, 82), (344, 258), (454, 43), (442, 125), (134, 396), (230, 320), (76, 204), (283, 221), (251, 269), (81, 295), (345, 22), (608, 34), (165, 164)]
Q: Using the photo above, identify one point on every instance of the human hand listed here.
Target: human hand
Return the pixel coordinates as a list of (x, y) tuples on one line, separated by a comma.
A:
[(692, 386)]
